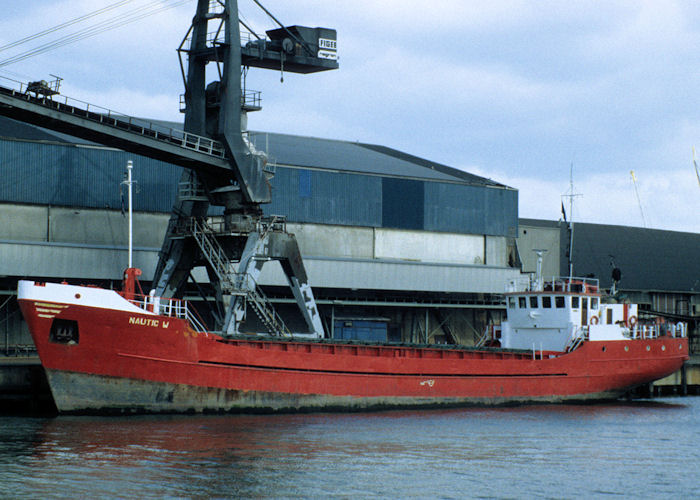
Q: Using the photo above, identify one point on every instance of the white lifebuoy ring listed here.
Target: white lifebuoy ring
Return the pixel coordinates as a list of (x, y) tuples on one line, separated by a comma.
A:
[(594, 320), (632, 321)]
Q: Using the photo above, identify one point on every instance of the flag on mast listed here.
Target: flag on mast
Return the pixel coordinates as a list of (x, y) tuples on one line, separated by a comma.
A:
[(563, 212)]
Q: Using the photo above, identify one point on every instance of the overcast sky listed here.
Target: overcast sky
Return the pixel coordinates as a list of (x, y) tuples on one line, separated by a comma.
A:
[(517, 91)]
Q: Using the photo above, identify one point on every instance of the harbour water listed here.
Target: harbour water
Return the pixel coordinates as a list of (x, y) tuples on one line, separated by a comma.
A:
[(641, 449)]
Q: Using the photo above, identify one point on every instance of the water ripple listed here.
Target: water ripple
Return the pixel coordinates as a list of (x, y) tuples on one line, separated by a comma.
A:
[(627, 449)]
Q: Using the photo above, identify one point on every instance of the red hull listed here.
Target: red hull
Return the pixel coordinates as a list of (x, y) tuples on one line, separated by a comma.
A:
[(125, 361)]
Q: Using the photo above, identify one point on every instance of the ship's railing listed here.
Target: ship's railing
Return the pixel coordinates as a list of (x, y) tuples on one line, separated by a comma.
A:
[(173, 308), (652, 331), (553, 284)]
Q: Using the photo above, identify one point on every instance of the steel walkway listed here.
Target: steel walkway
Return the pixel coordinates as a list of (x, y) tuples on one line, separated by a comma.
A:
[(109, 128)]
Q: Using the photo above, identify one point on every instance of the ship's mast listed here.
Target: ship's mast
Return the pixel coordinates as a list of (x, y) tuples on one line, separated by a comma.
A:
[(129, 183), (571, 195)]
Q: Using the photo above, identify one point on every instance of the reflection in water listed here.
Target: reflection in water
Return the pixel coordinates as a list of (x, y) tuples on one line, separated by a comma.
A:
[(545, 451)]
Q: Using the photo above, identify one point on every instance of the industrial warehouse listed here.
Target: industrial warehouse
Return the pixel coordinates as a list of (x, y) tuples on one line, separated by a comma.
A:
[(397, 248)]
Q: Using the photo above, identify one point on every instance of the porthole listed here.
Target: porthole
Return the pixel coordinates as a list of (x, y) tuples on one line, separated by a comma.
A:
[(627, 348), (648, 348), (604, 348), (663, 347), (77, 295)]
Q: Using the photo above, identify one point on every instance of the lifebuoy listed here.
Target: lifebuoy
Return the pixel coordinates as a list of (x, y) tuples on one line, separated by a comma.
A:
[(632, 321), (594, 320)]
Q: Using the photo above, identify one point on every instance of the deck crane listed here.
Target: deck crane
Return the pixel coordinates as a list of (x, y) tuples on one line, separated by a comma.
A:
[(222, 167)]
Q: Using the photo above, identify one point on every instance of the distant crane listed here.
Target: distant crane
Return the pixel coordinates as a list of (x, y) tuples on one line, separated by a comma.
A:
[(636, 192)]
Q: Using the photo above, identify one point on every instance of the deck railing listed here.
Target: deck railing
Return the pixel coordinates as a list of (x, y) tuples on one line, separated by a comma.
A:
[(173, 308), (652, 331), (553, 284)]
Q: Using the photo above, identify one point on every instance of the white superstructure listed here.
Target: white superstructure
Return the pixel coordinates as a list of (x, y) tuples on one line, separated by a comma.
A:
[(557, 314)]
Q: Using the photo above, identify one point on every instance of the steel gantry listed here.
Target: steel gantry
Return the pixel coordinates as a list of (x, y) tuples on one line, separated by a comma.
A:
[(222, 167)]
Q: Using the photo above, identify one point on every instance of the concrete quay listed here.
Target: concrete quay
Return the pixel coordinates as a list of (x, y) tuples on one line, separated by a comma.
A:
[(23, 385)]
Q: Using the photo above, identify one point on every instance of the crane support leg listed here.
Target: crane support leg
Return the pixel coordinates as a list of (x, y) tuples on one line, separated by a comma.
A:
[(259, 249)]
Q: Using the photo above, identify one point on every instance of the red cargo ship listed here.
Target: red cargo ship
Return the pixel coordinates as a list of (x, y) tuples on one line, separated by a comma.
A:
[(106, 351)]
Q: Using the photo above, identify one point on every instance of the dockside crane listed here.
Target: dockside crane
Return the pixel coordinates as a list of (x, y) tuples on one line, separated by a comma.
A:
[(222, 167)]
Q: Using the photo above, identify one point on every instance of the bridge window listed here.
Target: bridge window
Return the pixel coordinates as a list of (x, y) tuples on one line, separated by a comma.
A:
[(533, 302), (574, 302), (511, 302), (559, 302), (609, 316), (594, 303), (522, 304), (547, 302)]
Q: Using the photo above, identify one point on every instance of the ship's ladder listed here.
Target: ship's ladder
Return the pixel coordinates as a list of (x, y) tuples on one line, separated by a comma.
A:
[(576, 339)]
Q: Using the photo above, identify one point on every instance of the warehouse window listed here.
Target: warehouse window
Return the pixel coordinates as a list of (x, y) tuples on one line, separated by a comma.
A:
[(403, 203)]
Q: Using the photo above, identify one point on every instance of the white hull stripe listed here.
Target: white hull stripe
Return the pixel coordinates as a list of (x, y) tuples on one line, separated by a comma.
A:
[(46, 310), (48, 304)]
